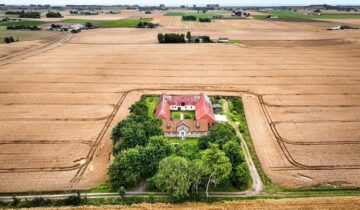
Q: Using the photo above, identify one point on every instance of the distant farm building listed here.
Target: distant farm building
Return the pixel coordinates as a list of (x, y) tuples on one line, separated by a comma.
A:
[(223, 40), (183, 128)]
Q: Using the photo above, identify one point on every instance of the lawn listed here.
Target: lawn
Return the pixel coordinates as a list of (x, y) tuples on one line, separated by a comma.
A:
[(296, 15), (151, 103), (128, 23), (235, 42), (187, 115), (2, 27)]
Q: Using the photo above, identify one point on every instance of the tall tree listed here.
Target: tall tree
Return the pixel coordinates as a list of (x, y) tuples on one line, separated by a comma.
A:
[(233, 151), (173, 176), (157, 149), (218, 166), (125, 171), (188, 36), (197, 171)]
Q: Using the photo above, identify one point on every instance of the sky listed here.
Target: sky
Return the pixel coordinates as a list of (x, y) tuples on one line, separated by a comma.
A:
[(186, 2)]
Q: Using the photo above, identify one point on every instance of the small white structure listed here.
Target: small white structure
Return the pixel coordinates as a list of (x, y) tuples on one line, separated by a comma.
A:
[(182, 108), (220, 118), (223, 40), (336, 28)]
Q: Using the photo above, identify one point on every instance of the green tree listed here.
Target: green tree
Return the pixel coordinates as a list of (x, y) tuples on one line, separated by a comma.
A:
[(173, 176), (126, 169), (197, 171), (157, 149), (233, 151), (218, 166), (188, 36), (153, 127), (241, 177), (132, 134), (219, 134), (161, 38), (139, 108)]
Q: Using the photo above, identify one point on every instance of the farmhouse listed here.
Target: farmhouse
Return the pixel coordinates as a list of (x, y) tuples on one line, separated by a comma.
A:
[(201, 105)]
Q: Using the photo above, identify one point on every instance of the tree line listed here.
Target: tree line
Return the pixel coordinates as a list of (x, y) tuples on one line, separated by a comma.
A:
[(54, 15), (23, 27), (171, 38), (143, 153), (24, 14), (181, 38)]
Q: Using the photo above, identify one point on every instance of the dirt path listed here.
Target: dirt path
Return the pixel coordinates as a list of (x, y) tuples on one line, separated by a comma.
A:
[(257, 186)]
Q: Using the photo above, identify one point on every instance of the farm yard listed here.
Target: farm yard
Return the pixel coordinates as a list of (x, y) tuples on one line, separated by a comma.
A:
[(299, 84)]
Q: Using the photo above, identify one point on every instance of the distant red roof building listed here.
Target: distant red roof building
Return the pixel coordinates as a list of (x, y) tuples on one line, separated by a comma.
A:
[(204, 114)]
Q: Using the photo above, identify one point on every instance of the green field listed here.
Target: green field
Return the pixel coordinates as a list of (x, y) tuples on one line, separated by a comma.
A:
[(295, 15), (197, 15), (187, 115), (26, 23)]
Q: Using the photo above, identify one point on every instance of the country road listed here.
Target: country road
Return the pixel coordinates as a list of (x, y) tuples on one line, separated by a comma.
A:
[(257, 185)]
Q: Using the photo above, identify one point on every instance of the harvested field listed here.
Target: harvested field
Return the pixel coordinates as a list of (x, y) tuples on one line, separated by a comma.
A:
[(326, 203), (27, 40), (300, 89)]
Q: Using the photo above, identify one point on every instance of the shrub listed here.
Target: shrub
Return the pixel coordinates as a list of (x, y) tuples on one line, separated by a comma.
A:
[(9, 39), (15, 201), (37, 202), (189, 18), (89, 25), (73, 200), (204, 19), (122, 192)]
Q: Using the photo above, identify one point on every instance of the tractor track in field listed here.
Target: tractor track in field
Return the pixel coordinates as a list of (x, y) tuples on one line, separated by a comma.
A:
[(11, 58), (97, 142), (285, 150)]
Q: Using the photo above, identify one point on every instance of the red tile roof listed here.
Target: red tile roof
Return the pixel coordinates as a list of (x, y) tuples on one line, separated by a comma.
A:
[(194, 126), (204, 109), (203, 106)]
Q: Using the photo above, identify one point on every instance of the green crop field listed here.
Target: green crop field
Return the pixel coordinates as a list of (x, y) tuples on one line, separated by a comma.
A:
[(296, 15), (26, 23), (197, 15)]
